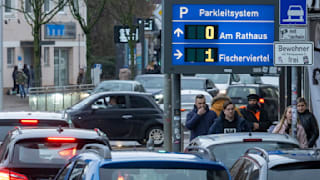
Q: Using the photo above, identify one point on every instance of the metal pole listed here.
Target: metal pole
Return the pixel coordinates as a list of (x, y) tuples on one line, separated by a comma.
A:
[(176, 123), (1, 58), (79, 51), (141, 33), (167, 113), (294, 93)]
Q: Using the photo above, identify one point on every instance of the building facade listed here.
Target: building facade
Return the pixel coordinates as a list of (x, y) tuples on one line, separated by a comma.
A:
[(63, 47)]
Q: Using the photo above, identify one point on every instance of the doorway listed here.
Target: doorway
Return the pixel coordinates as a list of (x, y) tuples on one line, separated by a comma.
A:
[(61, 61)]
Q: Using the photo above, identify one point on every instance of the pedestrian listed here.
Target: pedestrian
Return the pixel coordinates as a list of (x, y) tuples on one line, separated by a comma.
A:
[(200, 118), (27, 73), (217, 103), (256, 116), (229, 121), (14, 77), (285, 127), (81, 75), (308, 121), (124, 73), (21, 81)]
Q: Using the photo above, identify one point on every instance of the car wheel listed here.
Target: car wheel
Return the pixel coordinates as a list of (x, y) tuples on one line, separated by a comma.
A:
[(157, 134)]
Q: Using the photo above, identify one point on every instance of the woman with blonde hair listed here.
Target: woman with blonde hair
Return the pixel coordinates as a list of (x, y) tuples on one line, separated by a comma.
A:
[(284, 127)]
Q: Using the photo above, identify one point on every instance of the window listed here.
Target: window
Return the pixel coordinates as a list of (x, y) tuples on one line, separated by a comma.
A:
[(139, 102), (46, 5), (8, 5), (46, 56), (77, 171), (10, 56), (64, 172), (27, 6)]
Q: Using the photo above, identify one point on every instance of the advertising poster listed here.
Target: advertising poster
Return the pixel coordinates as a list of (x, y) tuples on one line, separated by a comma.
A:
[(314, 76)]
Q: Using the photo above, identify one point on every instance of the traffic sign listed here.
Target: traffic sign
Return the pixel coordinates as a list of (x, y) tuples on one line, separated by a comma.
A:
[(291, 33), (293, 12), (122, 33), (207, 36), (293, 54)]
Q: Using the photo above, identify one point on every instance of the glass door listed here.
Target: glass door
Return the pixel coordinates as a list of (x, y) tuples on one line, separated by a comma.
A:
[(61, 60)]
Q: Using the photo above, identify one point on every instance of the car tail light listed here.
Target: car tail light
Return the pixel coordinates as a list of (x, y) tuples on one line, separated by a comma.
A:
[(252, 140), (61, 139), (261, 100), (29, 121), (120, 178), (182, 110), (66, 153), (5, 174)]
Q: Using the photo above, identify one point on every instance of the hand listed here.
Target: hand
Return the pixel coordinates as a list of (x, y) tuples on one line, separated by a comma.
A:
[(255, 126), (201, 111)]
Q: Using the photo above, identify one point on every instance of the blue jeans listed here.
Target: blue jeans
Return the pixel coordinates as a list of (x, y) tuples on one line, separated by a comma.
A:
[(22, 92)]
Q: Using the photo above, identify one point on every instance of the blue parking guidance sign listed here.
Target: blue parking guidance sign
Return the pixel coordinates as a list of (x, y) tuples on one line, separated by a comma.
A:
[(293, 12)]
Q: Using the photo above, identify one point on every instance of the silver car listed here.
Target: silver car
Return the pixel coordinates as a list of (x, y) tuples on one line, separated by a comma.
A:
[(227, 148), (259, 164)]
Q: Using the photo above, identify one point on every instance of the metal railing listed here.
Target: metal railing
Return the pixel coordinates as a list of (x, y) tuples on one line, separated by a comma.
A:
[(57, 98)]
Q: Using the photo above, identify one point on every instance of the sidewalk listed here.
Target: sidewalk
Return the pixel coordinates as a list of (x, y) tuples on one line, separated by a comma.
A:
[(15, 103)]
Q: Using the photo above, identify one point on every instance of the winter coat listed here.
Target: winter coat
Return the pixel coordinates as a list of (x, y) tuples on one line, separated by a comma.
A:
[(21, 78), (218, 124), (217, 104), (310, 125), (199, 125), (301, 134), (124, 74), (264, 122)]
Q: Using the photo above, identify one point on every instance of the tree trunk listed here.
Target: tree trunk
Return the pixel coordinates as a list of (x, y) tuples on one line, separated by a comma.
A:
[(37, 55)]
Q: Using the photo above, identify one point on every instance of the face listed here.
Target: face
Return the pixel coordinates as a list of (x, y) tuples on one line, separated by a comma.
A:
[(301, 107), (200, 103), (229, 111), (252, 101), (289, 115)]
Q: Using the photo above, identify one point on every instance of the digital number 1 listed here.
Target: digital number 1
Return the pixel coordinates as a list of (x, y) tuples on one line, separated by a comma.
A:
[(209, 53)]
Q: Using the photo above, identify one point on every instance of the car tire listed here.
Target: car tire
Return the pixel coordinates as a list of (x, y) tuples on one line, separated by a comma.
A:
[(157, 134)]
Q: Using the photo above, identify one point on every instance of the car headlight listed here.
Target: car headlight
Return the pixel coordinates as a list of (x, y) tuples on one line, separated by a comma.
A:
[(158, 96), (224, 91)]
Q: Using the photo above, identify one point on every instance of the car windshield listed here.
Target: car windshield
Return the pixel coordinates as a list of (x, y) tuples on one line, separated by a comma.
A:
[(151, 82), (190, 98), (296, 171), (113, 86), (240, 91), (43, 152), (163, 174), (216, 78), (229, 153), (192, 84)]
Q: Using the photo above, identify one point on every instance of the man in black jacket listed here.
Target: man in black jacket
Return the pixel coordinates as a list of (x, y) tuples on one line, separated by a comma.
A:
[(256, 117), (308, 121), (200, 118)]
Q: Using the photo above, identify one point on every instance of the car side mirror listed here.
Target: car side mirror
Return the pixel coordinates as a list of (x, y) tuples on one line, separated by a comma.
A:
[(235, 77)]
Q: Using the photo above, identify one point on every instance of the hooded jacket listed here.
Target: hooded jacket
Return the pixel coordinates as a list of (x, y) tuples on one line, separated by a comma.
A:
[(301, 134), (263, 121), (217, 104), (199, 125), (310, 125), (218, 124)]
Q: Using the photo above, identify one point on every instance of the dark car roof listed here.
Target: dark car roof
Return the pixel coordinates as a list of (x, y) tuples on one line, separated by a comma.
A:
[(121, 81), (121, 93), (28, 133), (33, 115), (251, 85)]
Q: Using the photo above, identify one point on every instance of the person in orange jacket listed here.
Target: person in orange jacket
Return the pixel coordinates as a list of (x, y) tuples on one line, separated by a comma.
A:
[(256, 116), (217, 104)]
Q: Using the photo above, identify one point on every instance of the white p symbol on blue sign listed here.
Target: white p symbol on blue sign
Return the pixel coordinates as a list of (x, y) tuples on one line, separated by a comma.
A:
[(183, 10)]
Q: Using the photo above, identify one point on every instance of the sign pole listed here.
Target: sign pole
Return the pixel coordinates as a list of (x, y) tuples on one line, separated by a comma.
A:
[(294, 101), (167, 126), (176, 123)]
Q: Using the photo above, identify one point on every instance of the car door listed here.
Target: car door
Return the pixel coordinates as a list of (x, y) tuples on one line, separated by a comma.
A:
[(112, 117), (144, 113)]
